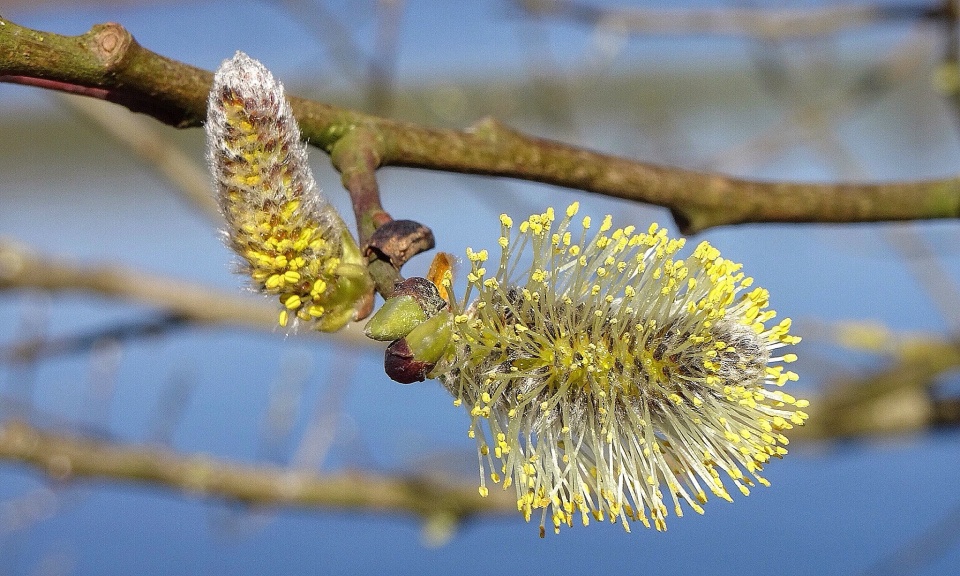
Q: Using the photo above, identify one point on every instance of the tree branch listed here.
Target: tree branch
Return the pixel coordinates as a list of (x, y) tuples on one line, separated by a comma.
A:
[(21, 268), (355, 156), (765, 23), (897, 400), (31, 349), (64, 457), (143, 137), (107, 63)]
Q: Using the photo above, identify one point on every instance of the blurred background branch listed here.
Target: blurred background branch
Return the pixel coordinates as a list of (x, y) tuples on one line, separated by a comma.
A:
[(766, 23), (20, 268), (182, 302), (901, 398), (67, 457), (141, 136)]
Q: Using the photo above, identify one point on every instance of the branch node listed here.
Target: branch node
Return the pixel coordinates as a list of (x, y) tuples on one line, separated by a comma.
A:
[(110, 43), (492, 130)]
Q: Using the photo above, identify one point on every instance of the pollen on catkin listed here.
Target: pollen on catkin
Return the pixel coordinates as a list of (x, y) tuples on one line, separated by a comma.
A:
[(292, 242), (606, 378)]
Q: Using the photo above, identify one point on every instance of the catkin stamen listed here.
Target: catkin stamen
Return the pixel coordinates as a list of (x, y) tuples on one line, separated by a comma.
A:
[(609, 371)]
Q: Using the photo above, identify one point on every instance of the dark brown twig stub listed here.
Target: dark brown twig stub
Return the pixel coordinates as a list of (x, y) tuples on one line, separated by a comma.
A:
[(399, 240)]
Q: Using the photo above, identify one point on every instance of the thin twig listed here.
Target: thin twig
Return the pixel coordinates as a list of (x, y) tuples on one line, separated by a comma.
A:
[(383, 66), (47, 347), (142, 137), (725, 21), (21, 268)]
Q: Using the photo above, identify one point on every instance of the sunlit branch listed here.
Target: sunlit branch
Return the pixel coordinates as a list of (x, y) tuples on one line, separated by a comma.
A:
[(108, 63)]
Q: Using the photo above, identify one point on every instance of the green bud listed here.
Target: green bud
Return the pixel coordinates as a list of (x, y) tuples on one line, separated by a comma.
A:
[(395, 319), (430, 340)]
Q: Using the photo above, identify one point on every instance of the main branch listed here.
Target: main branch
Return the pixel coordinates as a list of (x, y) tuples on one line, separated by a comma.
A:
[(108, 63)]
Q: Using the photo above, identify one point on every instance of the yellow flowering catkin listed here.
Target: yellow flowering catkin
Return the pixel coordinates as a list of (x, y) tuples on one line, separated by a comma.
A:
[(607, 378), (293, 243)]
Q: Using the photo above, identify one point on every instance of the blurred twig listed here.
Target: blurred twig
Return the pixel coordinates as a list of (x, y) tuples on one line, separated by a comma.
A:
[(895, 400), (142, 137), (28, 509), (171, 405), (33, 348), (923, 262), (922, 550), (327, 414), (64, 458), (21, 268), (375, 72), (552, 96), (328, 29), (285, 401), (763, 23), (383, 66), (105, 359), (33, 326)]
